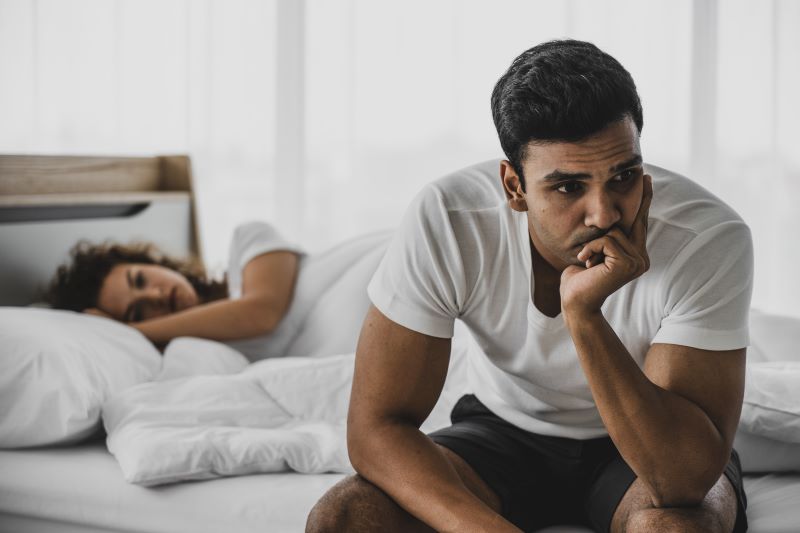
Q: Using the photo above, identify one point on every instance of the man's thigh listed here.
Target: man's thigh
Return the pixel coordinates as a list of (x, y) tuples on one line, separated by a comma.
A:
[(717, 512)]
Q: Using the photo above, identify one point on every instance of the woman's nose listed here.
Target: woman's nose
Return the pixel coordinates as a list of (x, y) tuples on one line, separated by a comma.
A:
[(155, 294)]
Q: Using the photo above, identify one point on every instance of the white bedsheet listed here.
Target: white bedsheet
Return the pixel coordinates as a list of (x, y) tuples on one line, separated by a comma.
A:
[(80, 488)]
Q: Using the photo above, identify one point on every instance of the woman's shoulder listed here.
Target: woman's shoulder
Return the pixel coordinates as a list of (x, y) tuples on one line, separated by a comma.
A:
[(255, 229), (255, 238)]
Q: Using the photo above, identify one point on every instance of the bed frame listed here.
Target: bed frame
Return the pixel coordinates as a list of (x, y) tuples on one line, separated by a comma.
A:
[(48, 203)]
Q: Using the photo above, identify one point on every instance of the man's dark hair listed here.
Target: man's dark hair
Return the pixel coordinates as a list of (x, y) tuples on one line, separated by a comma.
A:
[(560, 91)]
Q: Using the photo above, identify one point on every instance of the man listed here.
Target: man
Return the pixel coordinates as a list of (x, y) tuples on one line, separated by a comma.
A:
[(609, 335)]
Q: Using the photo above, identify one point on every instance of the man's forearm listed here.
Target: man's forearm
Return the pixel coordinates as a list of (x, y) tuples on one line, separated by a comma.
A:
[(409, 467), (668, 441)]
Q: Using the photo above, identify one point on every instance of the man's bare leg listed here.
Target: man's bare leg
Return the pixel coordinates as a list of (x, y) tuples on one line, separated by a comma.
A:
[(717, 513), (355, 504)]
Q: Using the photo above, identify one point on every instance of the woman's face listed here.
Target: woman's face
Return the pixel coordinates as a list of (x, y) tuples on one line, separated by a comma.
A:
[(133, 292)]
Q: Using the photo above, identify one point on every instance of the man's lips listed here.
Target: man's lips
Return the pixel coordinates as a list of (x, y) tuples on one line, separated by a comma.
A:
[(173, 299), (583, 241)]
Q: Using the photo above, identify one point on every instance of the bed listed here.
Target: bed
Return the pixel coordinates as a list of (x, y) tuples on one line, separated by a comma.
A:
[(79, 488), (46, 204), (40, 494)]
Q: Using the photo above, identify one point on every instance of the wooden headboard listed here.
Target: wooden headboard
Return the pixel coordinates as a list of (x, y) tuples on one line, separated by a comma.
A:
[(48, 203)]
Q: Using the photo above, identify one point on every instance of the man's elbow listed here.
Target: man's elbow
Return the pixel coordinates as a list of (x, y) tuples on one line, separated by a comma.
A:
[(681, 495), (369, 439), (359, 447), (684, 489)]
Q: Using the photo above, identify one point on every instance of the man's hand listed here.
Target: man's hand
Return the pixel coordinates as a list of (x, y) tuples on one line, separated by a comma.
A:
[(610, 262)]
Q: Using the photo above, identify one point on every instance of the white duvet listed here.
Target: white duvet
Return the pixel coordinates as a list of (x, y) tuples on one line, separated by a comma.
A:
[(211, 415)]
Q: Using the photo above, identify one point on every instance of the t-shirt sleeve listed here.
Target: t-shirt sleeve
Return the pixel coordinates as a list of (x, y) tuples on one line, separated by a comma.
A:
[(420, 284), (249, 241), (707, 290)]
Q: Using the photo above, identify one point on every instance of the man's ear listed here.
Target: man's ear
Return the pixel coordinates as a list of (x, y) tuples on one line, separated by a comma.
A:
[(512, 186)]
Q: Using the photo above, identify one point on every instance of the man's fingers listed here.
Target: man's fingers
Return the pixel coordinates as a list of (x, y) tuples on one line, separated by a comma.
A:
[(604, 246), (615, 245), (623, 241)]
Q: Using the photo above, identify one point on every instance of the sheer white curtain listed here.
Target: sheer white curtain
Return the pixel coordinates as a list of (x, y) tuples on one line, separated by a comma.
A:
[(326, 116), (398, 94)]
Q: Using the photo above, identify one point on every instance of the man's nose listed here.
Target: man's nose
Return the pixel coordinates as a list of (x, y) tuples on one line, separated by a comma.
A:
[(601, 211)]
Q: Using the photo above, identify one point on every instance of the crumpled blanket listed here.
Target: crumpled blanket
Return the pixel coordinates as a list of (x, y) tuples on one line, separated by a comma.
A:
[(210, 414)]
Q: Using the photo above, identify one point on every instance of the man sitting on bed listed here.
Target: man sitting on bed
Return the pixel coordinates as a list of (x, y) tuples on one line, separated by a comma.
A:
[(609, 335)]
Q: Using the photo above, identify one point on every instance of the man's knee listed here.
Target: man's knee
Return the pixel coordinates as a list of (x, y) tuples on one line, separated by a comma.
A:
[(717, 512), (355, 504), (673, 520), (338, 506)]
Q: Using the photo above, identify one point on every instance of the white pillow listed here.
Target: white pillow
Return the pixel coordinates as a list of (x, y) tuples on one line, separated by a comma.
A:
[(192, 356), (771, 405), (761, 454), (57, 368), (768, 439)]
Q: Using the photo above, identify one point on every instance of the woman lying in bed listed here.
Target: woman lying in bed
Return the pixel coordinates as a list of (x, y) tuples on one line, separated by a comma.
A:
[(274, 301)]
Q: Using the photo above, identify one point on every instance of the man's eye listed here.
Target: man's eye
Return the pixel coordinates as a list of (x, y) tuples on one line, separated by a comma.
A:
[(568, 187), (625, 176), (140, 281)]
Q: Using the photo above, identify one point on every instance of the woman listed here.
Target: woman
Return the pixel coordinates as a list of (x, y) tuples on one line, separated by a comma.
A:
[(275, 300)]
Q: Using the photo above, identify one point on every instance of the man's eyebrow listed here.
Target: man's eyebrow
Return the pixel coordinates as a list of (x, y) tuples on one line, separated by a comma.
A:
[(560, 175), (632, 162)]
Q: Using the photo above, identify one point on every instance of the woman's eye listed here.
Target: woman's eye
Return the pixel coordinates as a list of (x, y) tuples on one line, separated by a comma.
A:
[(140, 281), (568, 187)]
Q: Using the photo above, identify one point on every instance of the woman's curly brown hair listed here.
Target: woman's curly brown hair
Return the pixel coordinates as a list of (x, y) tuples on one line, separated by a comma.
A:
[(76, 284)]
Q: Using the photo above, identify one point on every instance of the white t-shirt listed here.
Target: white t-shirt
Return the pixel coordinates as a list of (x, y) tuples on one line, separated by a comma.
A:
[(330, 298), (462, 253)]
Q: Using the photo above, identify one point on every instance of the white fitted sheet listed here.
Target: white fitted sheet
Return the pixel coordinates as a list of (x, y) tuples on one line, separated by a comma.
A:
[(80, 488)]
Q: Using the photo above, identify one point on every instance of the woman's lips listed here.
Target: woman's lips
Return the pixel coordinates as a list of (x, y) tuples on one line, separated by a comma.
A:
[(173, 299)]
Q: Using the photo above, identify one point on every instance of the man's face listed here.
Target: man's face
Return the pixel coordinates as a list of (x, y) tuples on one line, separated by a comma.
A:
[(576, 192)]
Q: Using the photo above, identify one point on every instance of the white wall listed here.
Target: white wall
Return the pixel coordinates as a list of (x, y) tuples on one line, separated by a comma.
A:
[(326, 116)]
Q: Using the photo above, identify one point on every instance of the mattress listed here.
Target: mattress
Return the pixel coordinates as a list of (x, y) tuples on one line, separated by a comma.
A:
[(80, 488)]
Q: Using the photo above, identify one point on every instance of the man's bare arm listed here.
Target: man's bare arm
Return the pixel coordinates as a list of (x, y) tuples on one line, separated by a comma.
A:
[(674, 422), (399, 374)]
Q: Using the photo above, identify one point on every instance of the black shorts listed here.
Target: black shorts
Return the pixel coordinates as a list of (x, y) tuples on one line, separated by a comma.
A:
[(543, 481)]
